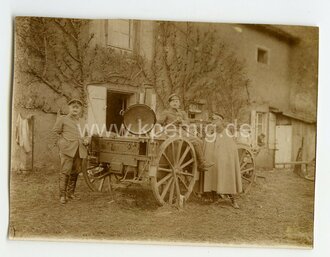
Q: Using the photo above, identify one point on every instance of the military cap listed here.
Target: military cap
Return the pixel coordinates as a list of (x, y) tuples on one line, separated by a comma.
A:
[(75, 100), (172, 97), (219, 115)]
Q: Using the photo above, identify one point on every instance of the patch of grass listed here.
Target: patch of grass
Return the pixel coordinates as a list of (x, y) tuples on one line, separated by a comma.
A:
[(277, 211)]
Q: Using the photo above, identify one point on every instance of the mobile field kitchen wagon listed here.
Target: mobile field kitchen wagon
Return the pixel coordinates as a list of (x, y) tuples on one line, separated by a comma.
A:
[(167, 164)]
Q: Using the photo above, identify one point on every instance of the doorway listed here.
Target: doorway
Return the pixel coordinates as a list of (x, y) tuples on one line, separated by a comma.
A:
[(116, 104), (283, 145)]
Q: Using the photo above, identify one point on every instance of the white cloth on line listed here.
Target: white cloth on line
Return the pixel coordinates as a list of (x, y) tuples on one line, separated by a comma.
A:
[(23, 133)]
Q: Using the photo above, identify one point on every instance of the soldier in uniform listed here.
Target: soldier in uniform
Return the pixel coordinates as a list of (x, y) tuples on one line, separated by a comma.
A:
[(72, 148), (225, 177), (174, 115)]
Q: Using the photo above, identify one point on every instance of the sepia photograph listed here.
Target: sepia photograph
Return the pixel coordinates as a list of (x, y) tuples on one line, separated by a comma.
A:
[(163, 132)]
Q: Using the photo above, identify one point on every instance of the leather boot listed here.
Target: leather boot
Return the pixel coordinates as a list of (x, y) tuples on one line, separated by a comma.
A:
[(72, 186), (233, 202), (63, 183)]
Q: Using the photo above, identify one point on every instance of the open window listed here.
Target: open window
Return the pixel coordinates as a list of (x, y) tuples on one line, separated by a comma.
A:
[(259, 126), (261, 129)]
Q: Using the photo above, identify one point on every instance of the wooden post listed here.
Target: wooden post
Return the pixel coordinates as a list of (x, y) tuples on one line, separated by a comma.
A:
[(32, 150)]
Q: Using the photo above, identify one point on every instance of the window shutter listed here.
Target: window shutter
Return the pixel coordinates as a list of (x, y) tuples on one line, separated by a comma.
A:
[(97, 105), (271, 131)]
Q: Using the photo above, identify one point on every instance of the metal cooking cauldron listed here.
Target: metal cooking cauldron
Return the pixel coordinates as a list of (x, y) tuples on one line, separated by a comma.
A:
[(139, 119)]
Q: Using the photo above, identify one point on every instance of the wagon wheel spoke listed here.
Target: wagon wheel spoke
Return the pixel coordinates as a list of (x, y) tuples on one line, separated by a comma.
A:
[(160, 182), (101, 184), (246, 170), (178, 151), (109, 184), (184, 154), (173, 152), (164, 169), (187, 163), (183, 182), (242, 157), (168, 160), (247, 179), (185, 173), (166, 188), (96, 174), (244, 164)]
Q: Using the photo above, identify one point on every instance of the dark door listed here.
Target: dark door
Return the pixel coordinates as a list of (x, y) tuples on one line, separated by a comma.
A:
[(116, 104)]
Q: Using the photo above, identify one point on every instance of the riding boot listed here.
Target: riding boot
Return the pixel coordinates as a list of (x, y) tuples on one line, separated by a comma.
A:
[(72, 186), (63, 183)]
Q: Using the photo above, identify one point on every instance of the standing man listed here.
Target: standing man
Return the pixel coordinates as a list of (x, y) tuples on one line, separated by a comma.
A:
[(175, 116), (72, 147), (225, 177)]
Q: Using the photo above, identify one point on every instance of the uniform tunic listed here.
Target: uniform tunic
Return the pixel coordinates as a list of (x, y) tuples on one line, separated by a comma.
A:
[(70, 143), (171, 116), (70, 140)]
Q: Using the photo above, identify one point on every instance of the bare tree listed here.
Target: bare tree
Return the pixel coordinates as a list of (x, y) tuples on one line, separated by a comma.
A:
[(58, 54), (191, 60)]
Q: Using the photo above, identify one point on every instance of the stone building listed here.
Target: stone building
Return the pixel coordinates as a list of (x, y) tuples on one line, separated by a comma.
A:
[(282, 92), (280, 62)]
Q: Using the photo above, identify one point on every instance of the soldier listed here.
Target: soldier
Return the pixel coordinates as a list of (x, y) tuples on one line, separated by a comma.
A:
[(174, 115), (72, 147), (225, 176)]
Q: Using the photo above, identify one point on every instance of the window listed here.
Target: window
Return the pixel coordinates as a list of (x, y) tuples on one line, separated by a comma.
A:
[(120, 34), (192, 115), (261, 129), (262, 56)]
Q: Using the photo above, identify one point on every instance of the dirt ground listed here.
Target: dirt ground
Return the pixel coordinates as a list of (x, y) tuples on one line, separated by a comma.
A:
[(277, 211)]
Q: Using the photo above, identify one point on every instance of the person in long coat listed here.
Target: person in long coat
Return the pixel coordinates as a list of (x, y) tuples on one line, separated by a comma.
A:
[(224, 177)]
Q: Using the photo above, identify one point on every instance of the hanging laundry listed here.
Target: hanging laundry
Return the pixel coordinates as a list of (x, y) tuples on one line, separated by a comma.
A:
[(23, 133)]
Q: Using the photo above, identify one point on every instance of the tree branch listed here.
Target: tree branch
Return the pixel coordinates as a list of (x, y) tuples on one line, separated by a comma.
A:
[(72, 37), (48, 83)]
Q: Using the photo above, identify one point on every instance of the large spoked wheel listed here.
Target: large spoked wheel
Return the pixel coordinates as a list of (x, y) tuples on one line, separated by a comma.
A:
[(247, 165), (176, 171), (96, 175)]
